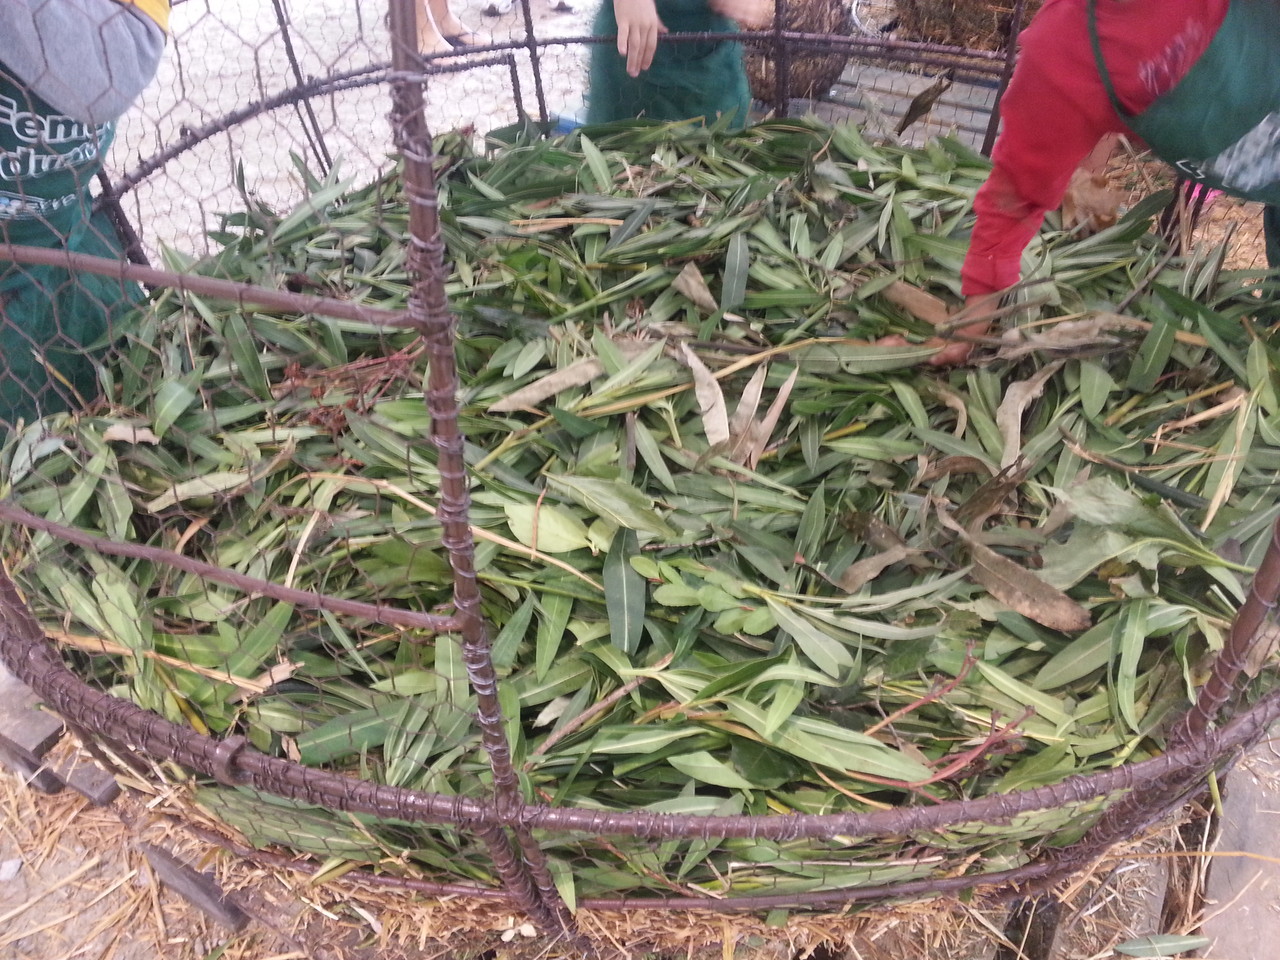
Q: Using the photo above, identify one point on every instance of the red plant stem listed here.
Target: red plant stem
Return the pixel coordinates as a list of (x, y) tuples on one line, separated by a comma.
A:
[(956, 764), (936, 692)]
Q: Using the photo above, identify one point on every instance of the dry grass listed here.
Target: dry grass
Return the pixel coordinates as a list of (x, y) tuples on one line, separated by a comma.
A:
[(979, 24), (83, 890), (1238, 223)]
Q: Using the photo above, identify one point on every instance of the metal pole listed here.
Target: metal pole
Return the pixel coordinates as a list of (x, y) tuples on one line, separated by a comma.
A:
[(526, 875), (310, 124), (1010, 57)]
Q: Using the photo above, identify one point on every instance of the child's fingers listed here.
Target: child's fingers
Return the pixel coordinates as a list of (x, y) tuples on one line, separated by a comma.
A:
[(638, 44), (638, 30)]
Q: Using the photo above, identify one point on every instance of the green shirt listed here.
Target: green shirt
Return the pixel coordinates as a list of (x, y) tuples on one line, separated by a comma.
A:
[(688, 79), (47, 161), (1220, 124)]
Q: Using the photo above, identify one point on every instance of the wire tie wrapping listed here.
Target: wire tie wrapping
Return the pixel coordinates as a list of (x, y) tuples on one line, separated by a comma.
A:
[(225, 756)]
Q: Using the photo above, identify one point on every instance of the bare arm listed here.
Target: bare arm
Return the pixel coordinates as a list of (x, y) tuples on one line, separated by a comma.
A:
[(751, 14)]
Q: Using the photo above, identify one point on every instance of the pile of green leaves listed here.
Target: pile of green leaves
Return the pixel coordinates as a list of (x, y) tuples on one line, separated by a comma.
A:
[(736, 559)]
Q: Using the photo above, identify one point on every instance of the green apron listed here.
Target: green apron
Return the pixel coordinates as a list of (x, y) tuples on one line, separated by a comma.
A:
[(49, 316), (1220, 124), (695, 78)]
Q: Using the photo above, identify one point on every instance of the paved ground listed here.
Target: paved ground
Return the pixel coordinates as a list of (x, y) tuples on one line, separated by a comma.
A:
[(1243, 897)]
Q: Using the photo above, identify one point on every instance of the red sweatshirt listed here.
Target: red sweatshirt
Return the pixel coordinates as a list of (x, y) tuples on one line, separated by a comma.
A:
[(1056, 110)]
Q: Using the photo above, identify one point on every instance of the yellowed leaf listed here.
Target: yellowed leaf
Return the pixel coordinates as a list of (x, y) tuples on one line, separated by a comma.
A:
[(577, 374), (715, 415), (128, 433), (749, 402), (1016, 400), (762, 432), (692, 285)]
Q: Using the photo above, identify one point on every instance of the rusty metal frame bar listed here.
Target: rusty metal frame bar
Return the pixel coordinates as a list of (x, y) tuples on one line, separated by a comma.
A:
[(243, 294), (379, 613), (36, 662), (525, 873)]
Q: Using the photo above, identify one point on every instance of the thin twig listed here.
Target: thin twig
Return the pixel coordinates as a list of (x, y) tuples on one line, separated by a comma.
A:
[(936, 690), (956, 762)]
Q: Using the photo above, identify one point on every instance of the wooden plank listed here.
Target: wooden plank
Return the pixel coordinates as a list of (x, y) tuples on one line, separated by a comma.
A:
[(90, 780), (33, 774), (198, 889), (27, 733), (24, 728)]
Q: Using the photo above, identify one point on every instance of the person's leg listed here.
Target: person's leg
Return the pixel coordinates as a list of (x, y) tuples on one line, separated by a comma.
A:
[(430, 38), (451, 28), (1271, 230)]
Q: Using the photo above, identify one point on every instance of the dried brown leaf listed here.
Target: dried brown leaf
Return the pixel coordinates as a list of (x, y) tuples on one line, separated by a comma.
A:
[(128, 433), (868, 568), (690, 283), (545, 224), (920, 304), (1089, 333), (744, 414), (763, 430), (1018, 588), (715, 415), (1024, 592), (949, 398), (952, 466), (1262, 648), (577, 374), (1234, 399), (871, 529), (990, 497), (1016, 399)]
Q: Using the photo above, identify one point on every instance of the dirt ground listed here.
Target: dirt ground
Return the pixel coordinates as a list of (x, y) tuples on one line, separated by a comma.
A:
[(75, 882)]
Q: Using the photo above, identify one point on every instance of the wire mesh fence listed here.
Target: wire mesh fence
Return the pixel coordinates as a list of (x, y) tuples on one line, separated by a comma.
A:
[(567, 646)]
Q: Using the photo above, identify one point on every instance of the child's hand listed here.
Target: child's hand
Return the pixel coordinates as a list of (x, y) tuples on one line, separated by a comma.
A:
[(978, 309), (752, 14), (638, 31)]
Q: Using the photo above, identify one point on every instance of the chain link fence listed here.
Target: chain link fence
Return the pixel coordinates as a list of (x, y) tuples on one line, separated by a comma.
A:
[(286, 549)]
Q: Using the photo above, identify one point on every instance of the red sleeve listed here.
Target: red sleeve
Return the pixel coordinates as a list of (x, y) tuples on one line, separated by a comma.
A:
[(1056, 109)]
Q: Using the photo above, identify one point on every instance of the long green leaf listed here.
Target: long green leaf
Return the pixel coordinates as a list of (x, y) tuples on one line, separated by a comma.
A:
[(624, 593)]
